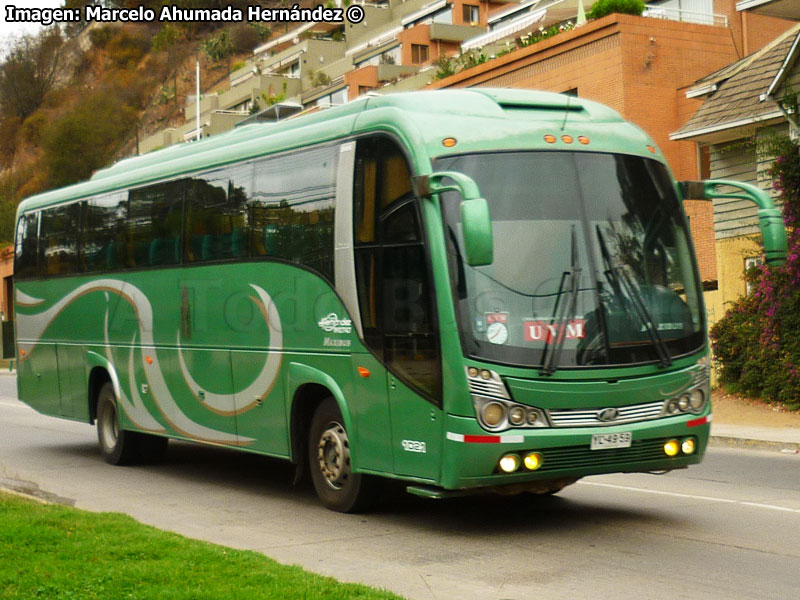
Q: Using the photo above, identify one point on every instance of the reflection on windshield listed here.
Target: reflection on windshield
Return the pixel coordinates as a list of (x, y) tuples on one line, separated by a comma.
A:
[(592, 262)]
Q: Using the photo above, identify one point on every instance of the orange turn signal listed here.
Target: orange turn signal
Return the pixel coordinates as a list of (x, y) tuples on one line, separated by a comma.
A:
[(363, 371)]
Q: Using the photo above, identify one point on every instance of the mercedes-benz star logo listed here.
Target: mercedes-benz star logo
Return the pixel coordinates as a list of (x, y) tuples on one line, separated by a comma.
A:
[(607, 414)]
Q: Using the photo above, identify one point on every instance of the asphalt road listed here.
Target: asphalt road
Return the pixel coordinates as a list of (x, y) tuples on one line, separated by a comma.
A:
[(729, 528)]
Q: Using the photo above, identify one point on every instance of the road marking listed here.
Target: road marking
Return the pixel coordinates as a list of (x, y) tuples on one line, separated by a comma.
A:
[(692, 496)]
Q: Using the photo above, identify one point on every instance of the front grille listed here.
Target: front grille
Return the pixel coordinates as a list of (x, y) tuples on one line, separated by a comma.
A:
[(591, 417), (581, 456)]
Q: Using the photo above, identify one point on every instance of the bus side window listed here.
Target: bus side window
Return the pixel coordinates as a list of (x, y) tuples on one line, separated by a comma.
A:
[(154, 224), (291, 209), (27, 247), (392, 273), (216, 214), (103, 235), (58, 244)]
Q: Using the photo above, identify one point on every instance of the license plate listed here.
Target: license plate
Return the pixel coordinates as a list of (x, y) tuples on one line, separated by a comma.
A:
[(606, 441)]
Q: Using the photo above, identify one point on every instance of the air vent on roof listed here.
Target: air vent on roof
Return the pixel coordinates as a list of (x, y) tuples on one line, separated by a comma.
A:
[(507, 98)]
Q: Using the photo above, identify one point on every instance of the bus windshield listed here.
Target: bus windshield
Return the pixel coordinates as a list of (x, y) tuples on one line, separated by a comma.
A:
[(592, 264)]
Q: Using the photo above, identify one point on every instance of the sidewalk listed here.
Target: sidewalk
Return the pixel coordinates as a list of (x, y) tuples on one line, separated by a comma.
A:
[(743, 423)]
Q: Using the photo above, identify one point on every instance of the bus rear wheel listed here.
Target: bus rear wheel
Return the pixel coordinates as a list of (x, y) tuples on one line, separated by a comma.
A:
[(120, 447), (329, 462)]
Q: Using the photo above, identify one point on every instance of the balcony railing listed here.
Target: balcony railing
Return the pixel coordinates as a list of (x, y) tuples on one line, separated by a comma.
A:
[(687, 16)]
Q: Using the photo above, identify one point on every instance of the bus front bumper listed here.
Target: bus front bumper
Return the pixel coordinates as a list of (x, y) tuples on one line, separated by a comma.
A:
[(472, 457)]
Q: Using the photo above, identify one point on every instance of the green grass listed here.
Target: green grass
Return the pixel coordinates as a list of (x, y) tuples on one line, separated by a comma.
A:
[(59, 553)]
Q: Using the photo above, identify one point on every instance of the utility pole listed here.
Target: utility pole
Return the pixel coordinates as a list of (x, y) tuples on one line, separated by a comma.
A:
[(197, 99)]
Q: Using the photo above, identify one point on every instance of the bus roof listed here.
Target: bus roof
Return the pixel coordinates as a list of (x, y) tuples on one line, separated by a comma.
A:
[(480, 119)]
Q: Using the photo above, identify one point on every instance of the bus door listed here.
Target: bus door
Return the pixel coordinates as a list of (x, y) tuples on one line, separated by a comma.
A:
[(395, 302)]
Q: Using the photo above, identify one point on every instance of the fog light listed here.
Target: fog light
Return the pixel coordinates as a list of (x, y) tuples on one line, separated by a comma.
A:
[(493, 414), (533, 460), (509, 463), (671, 448), (516, 415), (688, 446), (697, 399)]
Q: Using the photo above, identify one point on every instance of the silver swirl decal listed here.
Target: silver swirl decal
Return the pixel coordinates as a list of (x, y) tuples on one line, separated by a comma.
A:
[(259, 389), (32, 327)]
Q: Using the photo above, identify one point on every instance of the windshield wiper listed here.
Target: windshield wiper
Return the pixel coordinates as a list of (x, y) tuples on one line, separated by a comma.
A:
[(562, 312), (624, 288)]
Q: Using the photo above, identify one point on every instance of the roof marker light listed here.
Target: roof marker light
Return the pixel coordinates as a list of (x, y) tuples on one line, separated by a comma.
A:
[(583, 139), (651, 149), (550, 139), (449, 142), (567, 139)]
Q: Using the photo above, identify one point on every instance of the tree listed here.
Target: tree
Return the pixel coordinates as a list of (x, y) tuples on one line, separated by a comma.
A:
[(29, 72)]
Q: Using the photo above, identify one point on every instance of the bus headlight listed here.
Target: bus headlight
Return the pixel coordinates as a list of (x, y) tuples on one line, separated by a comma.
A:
[(671, 448), (493, 414), (693, 401), (532, 460), (509, 463), (697, 400), (516, 416)]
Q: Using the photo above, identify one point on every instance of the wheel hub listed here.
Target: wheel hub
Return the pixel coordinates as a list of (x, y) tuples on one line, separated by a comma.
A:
[(333, 454), (109, 427)]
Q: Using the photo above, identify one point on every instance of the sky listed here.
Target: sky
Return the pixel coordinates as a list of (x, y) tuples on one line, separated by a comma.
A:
[(11, 29)]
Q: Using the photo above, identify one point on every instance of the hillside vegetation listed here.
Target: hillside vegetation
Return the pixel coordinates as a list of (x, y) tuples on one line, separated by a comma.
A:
[(77, 98)]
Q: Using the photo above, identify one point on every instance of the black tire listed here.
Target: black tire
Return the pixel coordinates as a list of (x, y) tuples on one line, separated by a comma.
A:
[(329, 463), (118, 447)]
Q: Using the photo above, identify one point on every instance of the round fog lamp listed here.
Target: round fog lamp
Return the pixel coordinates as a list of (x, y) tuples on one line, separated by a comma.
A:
[(671, 448), (516, 415), (696, 399), (493, 414), (533, 460), (509, 463), (688, 446)]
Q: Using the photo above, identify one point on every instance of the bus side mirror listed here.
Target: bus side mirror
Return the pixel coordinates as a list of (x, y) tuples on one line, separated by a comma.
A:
[(770, 220), (476, 222)]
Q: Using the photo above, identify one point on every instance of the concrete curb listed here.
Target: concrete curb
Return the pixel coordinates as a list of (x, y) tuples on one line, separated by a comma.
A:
[(724, 441), (31, 497)]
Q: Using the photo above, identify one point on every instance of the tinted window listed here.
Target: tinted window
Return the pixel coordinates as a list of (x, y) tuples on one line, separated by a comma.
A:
[(216, 214), (154, 225), (392, 273), (104, 232), (291, 208), (58, 240), (27, 248)]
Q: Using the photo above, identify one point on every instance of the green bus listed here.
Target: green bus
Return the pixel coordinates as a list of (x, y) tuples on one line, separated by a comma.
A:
[(469, 291)]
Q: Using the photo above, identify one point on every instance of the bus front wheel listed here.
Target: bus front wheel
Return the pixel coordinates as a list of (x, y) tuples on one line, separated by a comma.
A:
[(120, 447), (329, 460)]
